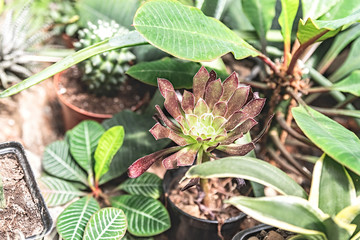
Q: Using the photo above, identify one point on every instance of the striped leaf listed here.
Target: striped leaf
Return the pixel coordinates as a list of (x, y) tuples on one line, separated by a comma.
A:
[(56, 191), (109, 144), (83, 141), (58, 162), (72, 221), (146, 216), (107, 223), (148, 185)]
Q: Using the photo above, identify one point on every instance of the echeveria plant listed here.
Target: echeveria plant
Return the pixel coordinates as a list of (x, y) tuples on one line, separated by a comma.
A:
[(213, 117)]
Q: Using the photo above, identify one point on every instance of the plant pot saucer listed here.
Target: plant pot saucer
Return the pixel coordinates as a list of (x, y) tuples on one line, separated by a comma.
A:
[(185, 226), (32, 198)]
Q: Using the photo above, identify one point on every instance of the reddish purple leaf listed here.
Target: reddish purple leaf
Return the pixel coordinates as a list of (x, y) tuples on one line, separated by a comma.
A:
[(234, 120), (239, 131), (230, 85), (220, 109), (172, 104), (236, 149), (159, 132), (188, 157), (213, 93), (237, 100), (166, 121), (188, 102), (254, 107), (201, 107), (164, 86), (142, 164), (199, 83)]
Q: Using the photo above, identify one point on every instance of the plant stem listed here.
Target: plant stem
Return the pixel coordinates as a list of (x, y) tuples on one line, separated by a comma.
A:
[(270, 63), (2, 196), (204, 183), (301, 50)]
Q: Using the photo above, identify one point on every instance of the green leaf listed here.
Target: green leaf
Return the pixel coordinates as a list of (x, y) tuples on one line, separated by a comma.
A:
[(57, 192), (57, 161), (138, 142), (187, 33), (332, 188), (121, 11), (2, 196), (251, 169), (351, 84), (146, 216), (341, 41), (107, 223), (72, 221), (260, 13), (316, 8), (340, 112), (351, 63), (335, 140), (179, 73), (83, 142), (213, 8), (286, 19), (109, 143), (148, 185), (293, 214), (133, 38), (314, 28), (341, 9)]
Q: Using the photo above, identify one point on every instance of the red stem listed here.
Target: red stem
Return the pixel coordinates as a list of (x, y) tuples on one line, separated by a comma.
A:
[(301, 50), (270, 63)]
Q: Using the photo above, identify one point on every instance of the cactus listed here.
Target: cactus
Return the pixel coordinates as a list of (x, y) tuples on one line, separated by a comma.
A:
[(16, 37), (103, 73)]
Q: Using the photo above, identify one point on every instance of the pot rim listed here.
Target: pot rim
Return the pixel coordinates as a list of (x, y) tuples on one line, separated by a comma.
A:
[(250, 231), (17, 149), (166, 190), (57, 81)]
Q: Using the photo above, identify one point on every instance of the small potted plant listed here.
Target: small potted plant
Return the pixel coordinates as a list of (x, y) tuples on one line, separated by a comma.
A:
[(23, 213), (211, 118)]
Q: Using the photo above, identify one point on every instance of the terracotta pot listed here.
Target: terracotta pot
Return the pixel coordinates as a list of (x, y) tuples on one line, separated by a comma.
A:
[(17, 149), (246, 234), (72, 114), (185, 226)]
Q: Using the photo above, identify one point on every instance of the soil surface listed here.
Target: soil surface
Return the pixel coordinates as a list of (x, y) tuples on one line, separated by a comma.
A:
[(20, 216), (277, 234), (131, 95)]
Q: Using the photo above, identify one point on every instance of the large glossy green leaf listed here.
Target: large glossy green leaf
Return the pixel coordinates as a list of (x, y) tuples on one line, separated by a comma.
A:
[(148, 184), (187, 33), (109, 143), (138, 142), (335, 140), (351, 63), (314, 28), (83, 142), (146, 216), (121, 11), (2, 196), (286, 19), (248, 168), (286, 212), (57, 161), (341, 9), (316, 8), (351, 84), (179, 73), (72, 222), (260, 14), (107, 223), (341, 41), (56, 191), (133, 38), (332, 188)]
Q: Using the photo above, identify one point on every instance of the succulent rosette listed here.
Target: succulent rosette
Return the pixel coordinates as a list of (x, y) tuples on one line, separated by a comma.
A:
[(213, 117)]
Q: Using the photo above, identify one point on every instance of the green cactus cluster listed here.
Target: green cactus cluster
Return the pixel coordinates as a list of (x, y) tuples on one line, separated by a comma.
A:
[(104, 73)]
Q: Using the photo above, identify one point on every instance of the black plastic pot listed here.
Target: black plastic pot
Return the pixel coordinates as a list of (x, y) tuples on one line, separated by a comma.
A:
[(17, 149), (246, 234), (185, 226)]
